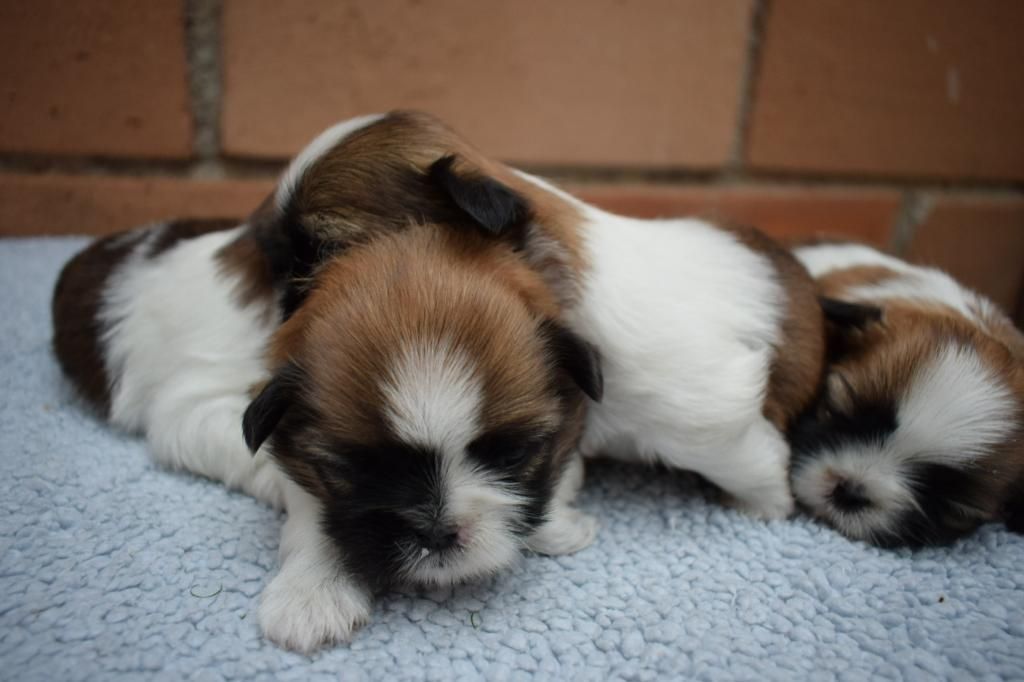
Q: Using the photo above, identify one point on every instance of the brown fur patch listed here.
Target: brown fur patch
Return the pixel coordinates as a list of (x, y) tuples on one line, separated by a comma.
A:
[(800, 358), (76, 306), (245, 260), (397, 293), (374, 182)]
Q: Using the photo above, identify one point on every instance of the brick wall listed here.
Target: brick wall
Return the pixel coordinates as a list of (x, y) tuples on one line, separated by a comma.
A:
[(897, 122)]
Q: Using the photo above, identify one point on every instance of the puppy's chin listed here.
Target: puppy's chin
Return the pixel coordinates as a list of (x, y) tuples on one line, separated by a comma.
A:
[(488, 552)]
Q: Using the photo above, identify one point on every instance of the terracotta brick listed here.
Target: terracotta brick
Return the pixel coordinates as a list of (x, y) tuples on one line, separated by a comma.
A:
[(915, 88), (978, 240), (785, 212), (61, 204), (104, 77), (577, 81)]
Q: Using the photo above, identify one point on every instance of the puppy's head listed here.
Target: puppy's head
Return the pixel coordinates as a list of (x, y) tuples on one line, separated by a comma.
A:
[(424, 395), (917, 436), (377, 175)]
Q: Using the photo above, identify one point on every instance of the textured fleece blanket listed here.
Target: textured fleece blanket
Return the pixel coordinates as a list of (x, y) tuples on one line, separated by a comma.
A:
[(111, 568)]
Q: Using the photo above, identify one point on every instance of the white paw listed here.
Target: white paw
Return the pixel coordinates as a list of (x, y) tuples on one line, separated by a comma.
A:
[(568, 530), (572, 480), (305, 608), (266, 483), (767, 505)]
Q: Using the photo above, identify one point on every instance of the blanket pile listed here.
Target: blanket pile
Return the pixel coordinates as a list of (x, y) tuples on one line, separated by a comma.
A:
[(112, 568)]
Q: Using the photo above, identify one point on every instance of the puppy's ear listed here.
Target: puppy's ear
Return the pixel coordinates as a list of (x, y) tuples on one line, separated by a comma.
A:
[(492, 205), (578, 358), (846, 315), (292, 252), (845, 324), (267, 408)]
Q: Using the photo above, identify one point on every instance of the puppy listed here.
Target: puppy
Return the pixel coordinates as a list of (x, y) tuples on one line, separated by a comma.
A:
[(711, 337), (917, 437), (418, 401)]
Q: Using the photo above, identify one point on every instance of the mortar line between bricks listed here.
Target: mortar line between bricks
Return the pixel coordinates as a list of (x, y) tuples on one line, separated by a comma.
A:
[(914, 209), (202, 43), (748, 83), (267, 169)]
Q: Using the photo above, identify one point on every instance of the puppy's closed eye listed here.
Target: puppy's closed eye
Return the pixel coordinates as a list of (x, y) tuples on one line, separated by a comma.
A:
[(508, 448)]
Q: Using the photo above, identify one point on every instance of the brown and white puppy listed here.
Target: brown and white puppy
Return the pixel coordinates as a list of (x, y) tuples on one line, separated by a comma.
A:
[(917, 437), (711, 338), (414, 388)]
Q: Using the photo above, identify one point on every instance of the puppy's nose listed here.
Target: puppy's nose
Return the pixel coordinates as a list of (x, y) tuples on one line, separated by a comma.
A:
[(439, 537), (849, 497)]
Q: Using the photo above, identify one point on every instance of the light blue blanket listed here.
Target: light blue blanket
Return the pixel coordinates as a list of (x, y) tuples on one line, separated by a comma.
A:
[(113, 569)]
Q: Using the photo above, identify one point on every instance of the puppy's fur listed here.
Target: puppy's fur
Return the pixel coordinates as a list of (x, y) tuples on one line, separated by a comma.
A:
[(414, 387), (711, 338), (918, 434)]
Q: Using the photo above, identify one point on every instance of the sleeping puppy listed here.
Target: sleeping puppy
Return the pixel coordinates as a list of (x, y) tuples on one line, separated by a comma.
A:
[(711, 337), (918, 435), (416, 414)]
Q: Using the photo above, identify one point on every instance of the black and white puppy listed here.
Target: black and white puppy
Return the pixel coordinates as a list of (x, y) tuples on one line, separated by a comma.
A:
[(917, 437), (419, 405)]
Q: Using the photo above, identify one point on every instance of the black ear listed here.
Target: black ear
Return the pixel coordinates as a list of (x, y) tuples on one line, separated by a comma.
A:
[(266, 410), (577, 357), (291, 253), (844, 324), (848, 315), (491, 204)]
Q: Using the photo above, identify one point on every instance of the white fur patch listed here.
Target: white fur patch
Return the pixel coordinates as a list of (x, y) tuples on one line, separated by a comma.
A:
[(954, 411), (182, 355), (434, 396), (687, 319), (883, 479), (323, 143), (914, 283)]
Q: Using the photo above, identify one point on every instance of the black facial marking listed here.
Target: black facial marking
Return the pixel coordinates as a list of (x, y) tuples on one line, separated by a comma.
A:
[(822, 428), (392, 505), (942, 494), (508, 449), (492, 205)]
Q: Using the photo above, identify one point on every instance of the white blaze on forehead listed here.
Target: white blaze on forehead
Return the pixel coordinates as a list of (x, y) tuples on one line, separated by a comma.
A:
[(433, 396), (954, 410), (323, 143)]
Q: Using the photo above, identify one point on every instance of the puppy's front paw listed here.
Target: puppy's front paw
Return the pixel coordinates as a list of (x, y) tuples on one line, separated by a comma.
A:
[(770, 505), (305, 608), (568, 530)]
